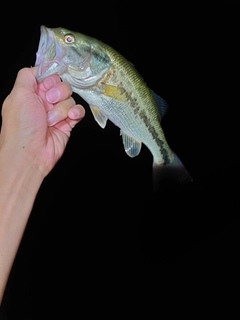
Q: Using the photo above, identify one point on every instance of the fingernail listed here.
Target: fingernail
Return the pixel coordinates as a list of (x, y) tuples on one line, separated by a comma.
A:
[(74, 113), (52, 118), (49, 82), (52, 95)]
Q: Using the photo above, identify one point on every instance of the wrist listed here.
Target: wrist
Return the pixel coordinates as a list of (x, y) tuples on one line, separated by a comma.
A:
[(17, 174)]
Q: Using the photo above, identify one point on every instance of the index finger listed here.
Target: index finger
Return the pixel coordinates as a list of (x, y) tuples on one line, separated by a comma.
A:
[(49, 82)]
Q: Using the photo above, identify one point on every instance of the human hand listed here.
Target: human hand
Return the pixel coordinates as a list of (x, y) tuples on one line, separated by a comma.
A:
[(37, 120)]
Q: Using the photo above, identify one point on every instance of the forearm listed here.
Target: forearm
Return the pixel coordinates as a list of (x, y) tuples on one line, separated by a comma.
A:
[(19, 184)]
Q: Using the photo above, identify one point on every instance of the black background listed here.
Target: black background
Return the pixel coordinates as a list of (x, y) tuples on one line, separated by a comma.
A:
[(96, 210)]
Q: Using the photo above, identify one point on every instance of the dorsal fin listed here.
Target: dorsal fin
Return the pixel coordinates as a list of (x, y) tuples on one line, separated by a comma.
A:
[(162, 104)]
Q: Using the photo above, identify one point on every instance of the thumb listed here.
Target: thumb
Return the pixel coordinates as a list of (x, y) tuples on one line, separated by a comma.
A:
[(26, 78)]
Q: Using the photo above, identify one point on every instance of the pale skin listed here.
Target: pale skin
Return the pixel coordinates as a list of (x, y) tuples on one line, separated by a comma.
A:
[(37, 120)]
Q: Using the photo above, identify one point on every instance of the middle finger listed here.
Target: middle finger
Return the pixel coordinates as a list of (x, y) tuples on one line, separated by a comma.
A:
[(59, 92)]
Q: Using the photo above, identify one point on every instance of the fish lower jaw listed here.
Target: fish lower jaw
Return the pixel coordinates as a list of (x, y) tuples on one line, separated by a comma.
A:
[(52, 68)]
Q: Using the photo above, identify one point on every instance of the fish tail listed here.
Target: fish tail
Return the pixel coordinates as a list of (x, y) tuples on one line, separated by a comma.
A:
[(170, 175)]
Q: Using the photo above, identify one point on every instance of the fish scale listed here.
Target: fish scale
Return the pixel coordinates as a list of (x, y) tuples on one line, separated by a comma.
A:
[(133, 82)]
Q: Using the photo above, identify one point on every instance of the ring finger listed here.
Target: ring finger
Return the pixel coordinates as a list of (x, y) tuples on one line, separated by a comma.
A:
[(60, 111)]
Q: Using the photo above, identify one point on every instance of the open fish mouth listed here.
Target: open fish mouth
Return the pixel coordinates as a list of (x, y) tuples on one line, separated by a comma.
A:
[(49, 57)]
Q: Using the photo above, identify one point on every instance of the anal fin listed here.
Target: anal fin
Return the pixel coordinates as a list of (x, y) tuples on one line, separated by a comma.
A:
[(131, 146)]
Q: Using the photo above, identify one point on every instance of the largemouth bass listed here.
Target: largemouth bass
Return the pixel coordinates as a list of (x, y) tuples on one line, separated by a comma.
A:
[(113, 89)]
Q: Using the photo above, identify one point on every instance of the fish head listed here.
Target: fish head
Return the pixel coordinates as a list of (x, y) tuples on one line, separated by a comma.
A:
[(50, 57), (78, 59)]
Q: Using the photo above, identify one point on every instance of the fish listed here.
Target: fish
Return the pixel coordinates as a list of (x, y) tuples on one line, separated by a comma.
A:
[(114, 90)]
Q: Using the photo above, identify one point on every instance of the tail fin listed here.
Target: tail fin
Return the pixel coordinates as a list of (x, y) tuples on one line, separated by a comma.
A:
[(170, 174)]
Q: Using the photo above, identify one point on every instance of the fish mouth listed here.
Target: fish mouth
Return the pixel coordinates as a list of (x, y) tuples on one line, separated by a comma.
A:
[(49, 56)]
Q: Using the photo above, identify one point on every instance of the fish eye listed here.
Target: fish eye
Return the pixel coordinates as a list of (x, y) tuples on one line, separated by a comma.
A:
[(69, 38)]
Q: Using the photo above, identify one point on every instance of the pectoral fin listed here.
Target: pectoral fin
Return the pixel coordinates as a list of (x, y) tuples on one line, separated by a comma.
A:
[(116, 93), (131, 146), (99, 116)]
